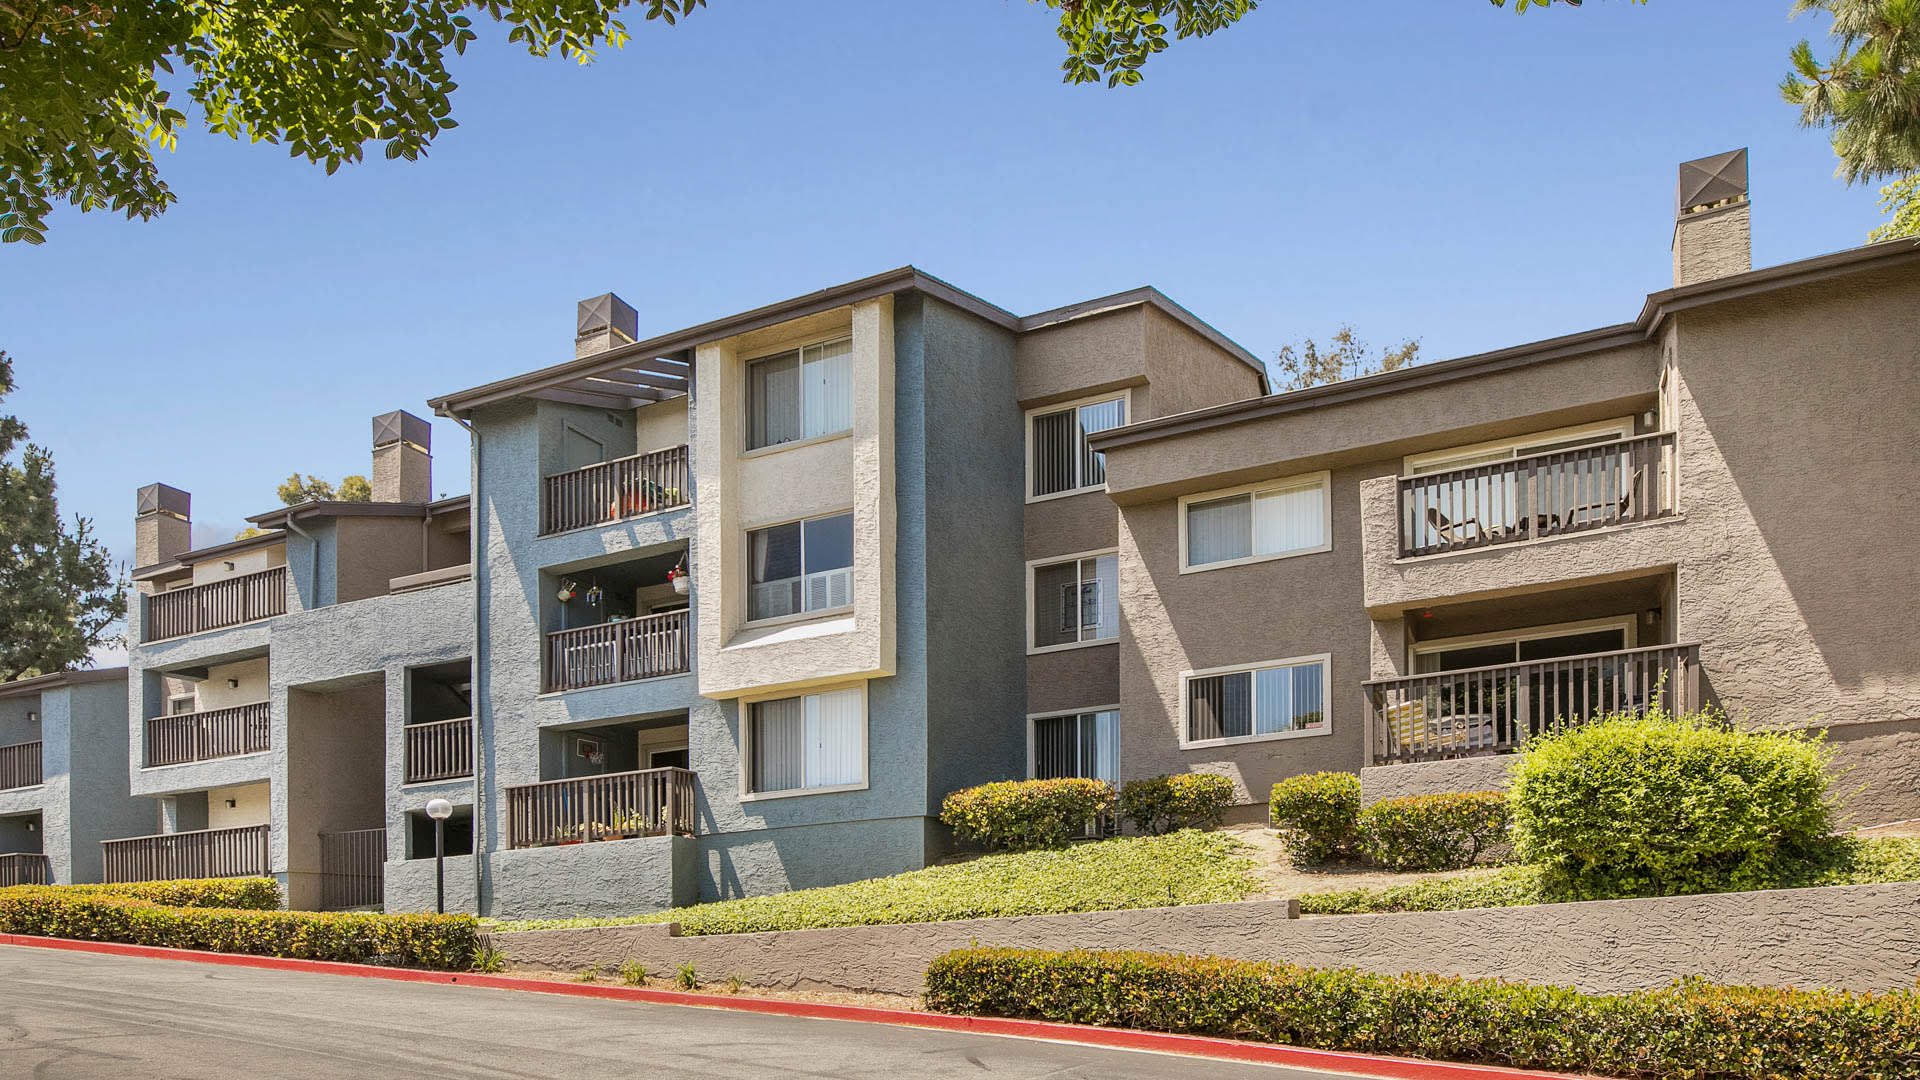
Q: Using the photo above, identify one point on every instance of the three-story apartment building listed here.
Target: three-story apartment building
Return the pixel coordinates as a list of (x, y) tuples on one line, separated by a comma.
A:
[(63, 776)]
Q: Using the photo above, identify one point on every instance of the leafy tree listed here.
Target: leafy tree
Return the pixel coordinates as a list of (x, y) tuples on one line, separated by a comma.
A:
[(58, 593), (1344, 357), (299, 489), (1868, 94)]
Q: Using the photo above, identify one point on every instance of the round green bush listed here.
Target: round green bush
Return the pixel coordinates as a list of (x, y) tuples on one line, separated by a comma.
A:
[(1024, 815), (1317, 815), (1433, 832), (1164, 804), (1657, 805)]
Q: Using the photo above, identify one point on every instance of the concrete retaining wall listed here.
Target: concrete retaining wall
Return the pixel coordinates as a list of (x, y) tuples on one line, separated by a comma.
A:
[(619, 878), (1857, 937)]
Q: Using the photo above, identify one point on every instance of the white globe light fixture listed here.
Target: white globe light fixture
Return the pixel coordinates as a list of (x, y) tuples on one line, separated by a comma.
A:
[(439, 810)]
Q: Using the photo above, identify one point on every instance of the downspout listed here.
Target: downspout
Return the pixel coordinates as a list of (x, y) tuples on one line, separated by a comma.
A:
[(475, 521), (313, 568)]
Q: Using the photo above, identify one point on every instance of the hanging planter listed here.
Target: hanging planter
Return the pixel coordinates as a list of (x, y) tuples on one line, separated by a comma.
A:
[(677, 577)]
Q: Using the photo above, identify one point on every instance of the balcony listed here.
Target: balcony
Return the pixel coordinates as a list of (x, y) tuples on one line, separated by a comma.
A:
[(207, 853), (440, 750), (1488, 710), (20, 765), (615, 652), (613, 490), (216, 604), (1526, 498), (24, 868), (204, 736), (612, 806)]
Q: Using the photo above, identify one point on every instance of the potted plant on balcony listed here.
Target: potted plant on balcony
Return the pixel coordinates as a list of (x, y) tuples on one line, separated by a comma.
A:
[(569, 834)]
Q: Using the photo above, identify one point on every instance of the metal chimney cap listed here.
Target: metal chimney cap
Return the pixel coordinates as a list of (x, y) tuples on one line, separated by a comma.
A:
[(401, 426), (1710, 180), (162, 499), (608, 312)]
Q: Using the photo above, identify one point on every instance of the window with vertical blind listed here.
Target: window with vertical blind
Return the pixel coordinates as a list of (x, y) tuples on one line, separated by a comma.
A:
[(801, 566), (805, 743), (1085, 744), (1059, 461), (1261, 521), (1075, 601), (802, 394), (1277, 700)]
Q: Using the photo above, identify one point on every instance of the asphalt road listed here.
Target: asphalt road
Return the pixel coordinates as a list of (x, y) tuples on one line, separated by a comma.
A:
[(88, 1016)]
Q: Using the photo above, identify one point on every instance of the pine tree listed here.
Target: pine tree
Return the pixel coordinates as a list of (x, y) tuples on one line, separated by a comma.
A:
[(1868, 93)]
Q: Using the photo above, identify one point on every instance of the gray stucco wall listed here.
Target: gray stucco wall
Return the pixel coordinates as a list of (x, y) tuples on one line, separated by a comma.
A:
[(1860, 937), (99, 806), (410, 884), (622, 877)]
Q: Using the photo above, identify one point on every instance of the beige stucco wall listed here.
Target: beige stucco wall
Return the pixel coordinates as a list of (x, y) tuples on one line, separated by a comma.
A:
[(1713, 244), (746, 491), (372, 551), (1185, 371), (246, 562), (1085, 356), (214, 693), (250, 806), (661, 425)]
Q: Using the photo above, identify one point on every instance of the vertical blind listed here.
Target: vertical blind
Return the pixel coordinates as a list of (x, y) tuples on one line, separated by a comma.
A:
[(1261, 701), (1083, 744), (1062, 461), (1269, 522), (814, 741), (801, 394), (1076, 600)]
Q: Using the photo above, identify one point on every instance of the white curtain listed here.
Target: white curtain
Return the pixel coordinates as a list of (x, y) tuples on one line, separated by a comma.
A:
[(836, 738), (1219, 530), (827, 380), (1105, 761), (1289, 520), (1106, 576), (779, 738)]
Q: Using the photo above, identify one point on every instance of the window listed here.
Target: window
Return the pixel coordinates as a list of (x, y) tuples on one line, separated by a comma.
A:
[(799, 567), (1272, 701), (1075, 601), (802, 394), (1541, 442), (1059, 461), (807, 743), (1523, 646), (180, 705), (1078, 744), (1267, 521)]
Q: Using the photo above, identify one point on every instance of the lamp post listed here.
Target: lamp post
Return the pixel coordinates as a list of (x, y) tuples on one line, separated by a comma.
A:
[(439, 810)]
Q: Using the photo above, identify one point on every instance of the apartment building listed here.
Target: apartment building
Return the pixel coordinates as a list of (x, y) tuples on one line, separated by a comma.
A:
[(1406, 574), (63, 776)]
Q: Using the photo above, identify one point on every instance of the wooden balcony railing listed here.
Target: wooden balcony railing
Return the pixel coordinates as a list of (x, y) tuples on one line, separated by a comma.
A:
[(616, 652), (440, 750), (1490, 709), (199, 608), (611, 490), (24, 868), (203, 736), (353, 869), (1588, 487), (20, 765), (614, 806), (208, 853)]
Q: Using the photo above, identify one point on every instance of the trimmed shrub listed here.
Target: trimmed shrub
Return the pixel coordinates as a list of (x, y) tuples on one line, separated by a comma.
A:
[(1690, 1029), (1024, 815), (1433, 832), (1657, 805), (1317, 815), (441, 942), (1164, 804), (250, 894)]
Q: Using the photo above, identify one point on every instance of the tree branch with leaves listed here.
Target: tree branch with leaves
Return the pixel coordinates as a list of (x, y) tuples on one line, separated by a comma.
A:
[(1868, 94), (1344, 357)]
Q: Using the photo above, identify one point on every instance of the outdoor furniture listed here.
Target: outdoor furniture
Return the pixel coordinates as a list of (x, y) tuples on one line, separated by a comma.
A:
[(1453, 532), (1403, 720)]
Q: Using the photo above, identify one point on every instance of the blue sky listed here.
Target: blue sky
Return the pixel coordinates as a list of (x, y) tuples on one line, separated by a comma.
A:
[(1436, 169)]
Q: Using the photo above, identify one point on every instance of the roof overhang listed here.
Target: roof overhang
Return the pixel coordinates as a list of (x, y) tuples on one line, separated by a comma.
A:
[(54, 681)]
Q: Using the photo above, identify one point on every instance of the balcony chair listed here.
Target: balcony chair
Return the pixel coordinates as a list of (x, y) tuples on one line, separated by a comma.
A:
[(1454, 534)]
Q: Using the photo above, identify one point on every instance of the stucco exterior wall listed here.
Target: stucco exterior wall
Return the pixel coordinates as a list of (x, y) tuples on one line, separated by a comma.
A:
[(410, 884), (661, 425), (82, 795), (374, 551), (1186, 371), (1085, 356), (624, 877)]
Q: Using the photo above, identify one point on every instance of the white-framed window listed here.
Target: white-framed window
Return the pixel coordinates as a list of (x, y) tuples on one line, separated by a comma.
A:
[(1540, 442), (1073, 601), (180, 705), (809, 743), (1275, 519), (1279, 699), (1059, 461), (800, 567), (1526, 644), (1084, 744), (804, 393)]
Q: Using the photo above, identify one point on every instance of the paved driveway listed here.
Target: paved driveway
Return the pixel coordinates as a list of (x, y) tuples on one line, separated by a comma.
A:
[(86, 1016)]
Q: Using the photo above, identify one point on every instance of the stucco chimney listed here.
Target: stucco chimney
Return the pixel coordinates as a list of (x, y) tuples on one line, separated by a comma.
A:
[(606, 322), (402, 464), (162, 524), (1712, 224)]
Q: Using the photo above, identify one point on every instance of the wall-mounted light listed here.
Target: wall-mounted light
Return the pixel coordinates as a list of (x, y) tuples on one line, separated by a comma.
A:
[(228, 565), (33, 718), (32, 827), (233, 684), (232, 803)]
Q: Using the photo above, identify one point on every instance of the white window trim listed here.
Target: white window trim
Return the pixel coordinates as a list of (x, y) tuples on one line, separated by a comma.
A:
[(1026, 439), (1325, 660), (797, 616), (1324, 478), (746, 743), (1619, 428), (799, 344), (1035, 564), (188, 698), (1628, 623), (1035, 718), (665, 748)]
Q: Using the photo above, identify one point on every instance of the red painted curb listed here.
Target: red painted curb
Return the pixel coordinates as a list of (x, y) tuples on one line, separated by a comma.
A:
[(1384, 1068)]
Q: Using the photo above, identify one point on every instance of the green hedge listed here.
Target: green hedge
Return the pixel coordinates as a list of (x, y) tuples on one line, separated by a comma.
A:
[(1162, 804), (442, 942), (1433, 832), (1026, 815), (1691, 1029), (252, 894), (1317, 815)]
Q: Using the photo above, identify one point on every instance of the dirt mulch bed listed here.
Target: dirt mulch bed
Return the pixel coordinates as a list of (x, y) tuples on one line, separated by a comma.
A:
[(716, 988)]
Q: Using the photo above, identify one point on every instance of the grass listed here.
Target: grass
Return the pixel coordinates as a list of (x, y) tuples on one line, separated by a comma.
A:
[(1846, 862), (1131, 872)]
